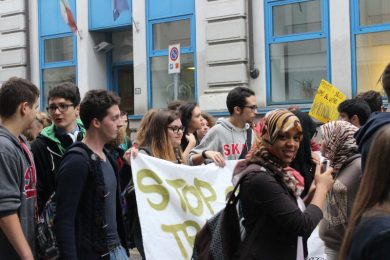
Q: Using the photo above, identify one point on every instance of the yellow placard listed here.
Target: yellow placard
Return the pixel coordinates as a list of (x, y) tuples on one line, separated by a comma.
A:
[(326, 101)]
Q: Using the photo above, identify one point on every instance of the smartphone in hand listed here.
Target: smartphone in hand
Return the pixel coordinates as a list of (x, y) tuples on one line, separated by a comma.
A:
[(324, 166)]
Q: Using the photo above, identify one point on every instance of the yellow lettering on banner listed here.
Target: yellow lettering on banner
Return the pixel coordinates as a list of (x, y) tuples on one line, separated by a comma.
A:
[(199, 184), (177, 228), (176, 184), (182, 190), (228, 190), (153, 188), (197, 211), (325, 103)]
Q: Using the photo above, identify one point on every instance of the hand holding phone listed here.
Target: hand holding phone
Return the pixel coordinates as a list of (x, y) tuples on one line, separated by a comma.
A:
[(324, 165)]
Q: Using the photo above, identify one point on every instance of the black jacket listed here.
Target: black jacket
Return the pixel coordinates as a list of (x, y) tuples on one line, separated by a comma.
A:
[(265, 198), (47, 150), (47, 158), (365, 135), (80, 219), (371, 239)]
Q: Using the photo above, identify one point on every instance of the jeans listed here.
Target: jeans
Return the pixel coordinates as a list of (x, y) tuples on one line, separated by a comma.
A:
[(118, 253)]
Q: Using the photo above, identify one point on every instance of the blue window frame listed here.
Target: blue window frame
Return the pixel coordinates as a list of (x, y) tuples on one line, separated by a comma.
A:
[(297, 49), (370, 27), (57, 48), (120, 73), (100, 15), (168, 25)]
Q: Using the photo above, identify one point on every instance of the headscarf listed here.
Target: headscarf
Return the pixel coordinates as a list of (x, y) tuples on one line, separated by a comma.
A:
[(277, 122), (339, 142), (303, 162)]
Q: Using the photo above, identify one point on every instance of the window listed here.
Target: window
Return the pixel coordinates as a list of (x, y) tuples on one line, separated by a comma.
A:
[(164, 84), (297, 18), (123, 46), (375, 13), (161, 84), (297, 49), (168, 33), (59, 62), (58, 49), (370, 43), (122, 66), (55, 76)]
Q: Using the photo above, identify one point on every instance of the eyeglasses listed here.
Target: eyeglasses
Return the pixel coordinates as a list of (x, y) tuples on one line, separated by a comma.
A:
[(176, 129), (253, 108), (61, 107)]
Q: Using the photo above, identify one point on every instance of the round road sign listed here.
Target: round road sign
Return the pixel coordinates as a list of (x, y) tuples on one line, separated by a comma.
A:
[(174, 54)]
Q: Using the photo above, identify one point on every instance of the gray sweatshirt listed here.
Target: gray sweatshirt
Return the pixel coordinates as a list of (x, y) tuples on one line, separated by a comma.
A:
[(17, 189), (225, 138)]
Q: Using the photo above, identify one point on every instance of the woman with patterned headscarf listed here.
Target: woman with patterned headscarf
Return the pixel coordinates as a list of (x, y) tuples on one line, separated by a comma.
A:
[(339, 147), (270, 192)]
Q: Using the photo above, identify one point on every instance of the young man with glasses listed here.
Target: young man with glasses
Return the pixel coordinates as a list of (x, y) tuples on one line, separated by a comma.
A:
[(63, 108), (231, 138), (19, 100)]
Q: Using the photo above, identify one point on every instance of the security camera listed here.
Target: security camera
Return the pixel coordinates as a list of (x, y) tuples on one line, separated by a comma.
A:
[(103, 47)]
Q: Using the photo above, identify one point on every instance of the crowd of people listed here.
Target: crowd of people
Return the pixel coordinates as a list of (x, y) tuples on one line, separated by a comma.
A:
[(80, 153)]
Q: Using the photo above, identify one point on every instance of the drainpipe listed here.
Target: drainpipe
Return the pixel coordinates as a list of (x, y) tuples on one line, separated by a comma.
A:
[(253, 71), (27, 32)]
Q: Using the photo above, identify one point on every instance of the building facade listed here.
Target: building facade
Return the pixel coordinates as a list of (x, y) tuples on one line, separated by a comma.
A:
[(14, 40), (281, 49)]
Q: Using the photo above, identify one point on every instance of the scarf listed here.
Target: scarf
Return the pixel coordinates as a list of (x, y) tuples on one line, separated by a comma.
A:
[(277, 122), (338, 142)]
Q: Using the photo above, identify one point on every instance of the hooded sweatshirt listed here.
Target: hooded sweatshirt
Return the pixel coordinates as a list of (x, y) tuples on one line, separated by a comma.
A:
[(17, 189), (365, 135), (48, 151), (225, 138)]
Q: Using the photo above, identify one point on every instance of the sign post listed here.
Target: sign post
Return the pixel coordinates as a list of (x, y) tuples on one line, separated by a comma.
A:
[(174, 66)]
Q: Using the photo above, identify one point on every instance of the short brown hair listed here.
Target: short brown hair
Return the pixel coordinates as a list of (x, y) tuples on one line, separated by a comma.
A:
[(14, 92), (95, 105)]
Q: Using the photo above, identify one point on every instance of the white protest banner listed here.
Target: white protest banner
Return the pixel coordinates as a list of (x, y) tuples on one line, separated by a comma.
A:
[(174, 201)]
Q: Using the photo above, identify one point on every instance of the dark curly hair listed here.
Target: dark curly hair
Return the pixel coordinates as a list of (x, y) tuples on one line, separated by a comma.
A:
[(66, 90), (95, 105)]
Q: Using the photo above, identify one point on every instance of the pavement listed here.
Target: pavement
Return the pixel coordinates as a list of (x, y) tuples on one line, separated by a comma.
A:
[(134, 254)]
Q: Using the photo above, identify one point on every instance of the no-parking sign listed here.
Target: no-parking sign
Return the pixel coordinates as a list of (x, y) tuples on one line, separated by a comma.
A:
[(174, 59)]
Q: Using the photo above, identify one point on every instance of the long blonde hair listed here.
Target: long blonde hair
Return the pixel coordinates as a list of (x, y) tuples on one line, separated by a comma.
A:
[(374, 187), (156, 136), (145, 122)]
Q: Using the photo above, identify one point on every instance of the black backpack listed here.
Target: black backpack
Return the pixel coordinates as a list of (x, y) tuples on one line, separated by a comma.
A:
[(129, 212), (129, 208), (46, 241), (221, 237)]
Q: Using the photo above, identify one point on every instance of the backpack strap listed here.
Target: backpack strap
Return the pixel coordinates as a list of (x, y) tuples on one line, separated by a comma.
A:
[(249, 240), (78, 149), (248, 144), (232, 197), (146, 150)]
